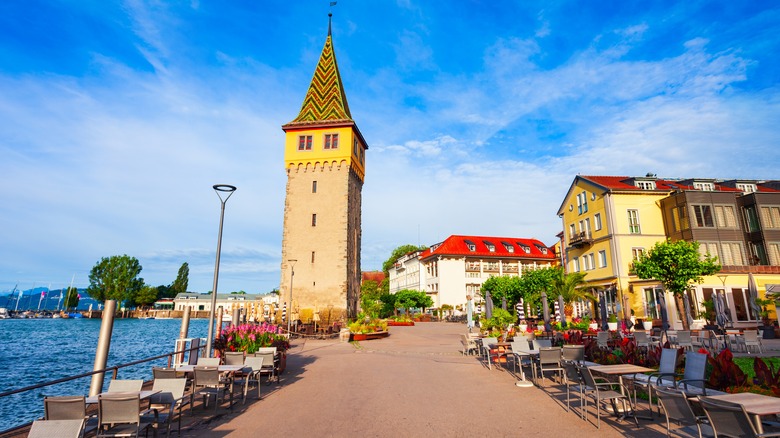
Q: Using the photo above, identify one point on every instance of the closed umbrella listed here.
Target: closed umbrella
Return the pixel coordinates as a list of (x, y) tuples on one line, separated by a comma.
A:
[(521, 310), (661, 300), (627, 312), (469, 314), (687, 310), (488, 305), (753, 292), (722, 313), (603, 310), (503, 303), (563, 316), (546, 312)]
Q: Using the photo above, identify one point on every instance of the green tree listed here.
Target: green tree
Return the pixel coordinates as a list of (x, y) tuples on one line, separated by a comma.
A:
[(676, 265), (71, 300), (165, 291), (179, 286), (370, 298), (407, 299), (502, 287), (397, 254), (146, 296), (532, 283), (115, 278)]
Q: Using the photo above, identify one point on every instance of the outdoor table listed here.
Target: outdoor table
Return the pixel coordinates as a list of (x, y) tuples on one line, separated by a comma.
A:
[(221, 368), (755, 404), (620, 370), (499, 346), (143, 395)]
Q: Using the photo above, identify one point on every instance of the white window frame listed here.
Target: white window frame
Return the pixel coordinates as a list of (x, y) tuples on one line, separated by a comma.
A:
[(634, 226), (597, 221)]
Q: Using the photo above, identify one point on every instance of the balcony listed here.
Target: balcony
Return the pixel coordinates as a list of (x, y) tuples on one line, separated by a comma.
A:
[(755, 269), (580, 239)]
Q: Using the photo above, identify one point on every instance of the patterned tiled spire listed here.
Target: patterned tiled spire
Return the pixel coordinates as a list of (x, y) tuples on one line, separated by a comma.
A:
[(325, 101)]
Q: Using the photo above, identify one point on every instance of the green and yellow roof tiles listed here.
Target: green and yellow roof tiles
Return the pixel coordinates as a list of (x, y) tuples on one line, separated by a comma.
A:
[(325, 100)]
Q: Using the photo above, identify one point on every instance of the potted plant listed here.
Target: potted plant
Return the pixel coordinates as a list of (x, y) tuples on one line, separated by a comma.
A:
[(612, 322)]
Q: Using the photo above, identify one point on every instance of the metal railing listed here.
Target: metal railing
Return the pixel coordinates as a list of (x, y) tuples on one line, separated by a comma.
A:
[(113, 369)]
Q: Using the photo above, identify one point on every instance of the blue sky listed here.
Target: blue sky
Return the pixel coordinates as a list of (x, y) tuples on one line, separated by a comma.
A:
[(116, 118)]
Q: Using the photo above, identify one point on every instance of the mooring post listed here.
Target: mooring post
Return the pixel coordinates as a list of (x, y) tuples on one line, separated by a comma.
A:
[(104, 343)]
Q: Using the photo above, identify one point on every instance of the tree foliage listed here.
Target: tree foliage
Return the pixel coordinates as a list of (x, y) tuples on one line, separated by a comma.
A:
[(408, 299), (502, 287), (532, 283), (371, 298), (676, 265), (397, 254), (179, 286), (146, 296), (115, 278), (71, 300), (569, 286)]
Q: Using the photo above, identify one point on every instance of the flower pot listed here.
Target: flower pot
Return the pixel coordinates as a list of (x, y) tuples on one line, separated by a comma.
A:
[(612, 326), (523, 327), (593, 326), (647, 325)]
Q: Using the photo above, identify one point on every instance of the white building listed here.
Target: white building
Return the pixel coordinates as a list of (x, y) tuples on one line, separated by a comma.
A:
[(457, 267), (252, 304)]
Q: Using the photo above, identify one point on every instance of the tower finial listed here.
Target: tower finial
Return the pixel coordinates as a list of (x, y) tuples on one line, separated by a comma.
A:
[(330, 14)]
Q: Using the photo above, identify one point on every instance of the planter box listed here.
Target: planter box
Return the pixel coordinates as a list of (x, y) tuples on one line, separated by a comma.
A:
[(400, 323), (367, 336), (612, 326)]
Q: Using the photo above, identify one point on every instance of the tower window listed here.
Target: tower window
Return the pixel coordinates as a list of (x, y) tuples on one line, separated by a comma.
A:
[(312, 256), (314, 186), (304, 143), (331, 141), (355, 148), (314, 220)]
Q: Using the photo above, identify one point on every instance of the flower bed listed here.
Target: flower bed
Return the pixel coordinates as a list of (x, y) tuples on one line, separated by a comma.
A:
[(367, 336), (249, 337), (392, 323)]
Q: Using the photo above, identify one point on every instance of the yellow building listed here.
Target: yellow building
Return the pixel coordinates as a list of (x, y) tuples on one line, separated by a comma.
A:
[(324, 156), (609, 221)]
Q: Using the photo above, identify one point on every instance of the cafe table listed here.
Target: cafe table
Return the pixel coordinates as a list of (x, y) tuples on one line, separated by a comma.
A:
[(526, 353), (502, 349), (621, 370), (755, 404), (221, 368), (143, 395)]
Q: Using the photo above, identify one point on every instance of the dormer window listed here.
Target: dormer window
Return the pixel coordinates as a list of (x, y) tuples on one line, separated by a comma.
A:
[(472, 247), (746, 187), (526, 249), (704, 186), (645, 185), (490, 246), (541, 248), (508, 246)]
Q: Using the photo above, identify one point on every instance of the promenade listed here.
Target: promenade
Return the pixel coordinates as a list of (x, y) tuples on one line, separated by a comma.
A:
[(414, 383)]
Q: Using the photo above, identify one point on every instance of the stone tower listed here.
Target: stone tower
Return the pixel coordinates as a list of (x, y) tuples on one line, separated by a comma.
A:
[(324, 156)]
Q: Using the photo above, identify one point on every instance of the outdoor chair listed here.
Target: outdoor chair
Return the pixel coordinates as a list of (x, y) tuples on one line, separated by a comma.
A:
[(208, 382), (519, 344), (550, 360), (677, 408), (167, 404), (252, 373), (600, 390), (693, 376), (642, 340), (163, 373), (684, 340), (663, 377), (58, 428), (120, 415), (573, 353), (269, 362), (752, 340), (735, 340), (234, 358), (731, 420), (573, 379), (602, 340), (122, 385), (69, 408), (486, 343), (469, 345), (541, 343), (710, 341), (208, 361)]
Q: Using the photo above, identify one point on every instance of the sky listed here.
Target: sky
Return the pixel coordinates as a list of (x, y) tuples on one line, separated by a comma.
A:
[(118, 117)]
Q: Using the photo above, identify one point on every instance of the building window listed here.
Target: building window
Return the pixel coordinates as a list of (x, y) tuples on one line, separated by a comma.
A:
[(526, 249), (703, 215), (355, 148), (774, 253), (314, 186), (585, 263), (312, 256), (582, 202), (331, 141), (575, 264), (472, 247), (314, 220), (633, 222), (770, 217), (541, 248), (751, 218), (725, 217), (636, 253), (704, 186), (710, 248), (597, 221), (602, 259), (592, 261), (742, 310), (304, 142), (732, 254), (508, 247), (680, 218), (572, 231), (587, 226), (746, 188), (490, 246), (645, 185)]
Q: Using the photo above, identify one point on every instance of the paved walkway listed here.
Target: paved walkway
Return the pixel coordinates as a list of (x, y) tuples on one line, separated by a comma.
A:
[(413, 383)]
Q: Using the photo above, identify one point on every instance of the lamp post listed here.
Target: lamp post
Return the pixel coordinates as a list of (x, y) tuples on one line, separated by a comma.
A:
[(228, 191), (292, 277)]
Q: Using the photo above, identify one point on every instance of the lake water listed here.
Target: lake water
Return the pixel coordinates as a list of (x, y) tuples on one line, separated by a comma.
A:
[(38, 350)]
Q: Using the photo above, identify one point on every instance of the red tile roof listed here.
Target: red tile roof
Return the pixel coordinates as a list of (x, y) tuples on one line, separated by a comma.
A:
[(459, 245), (625, 183), (377, 276)]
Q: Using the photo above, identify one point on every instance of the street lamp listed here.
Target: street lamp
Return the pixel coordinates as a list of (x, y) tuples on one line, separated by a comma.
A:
[(228, 190), (292, 276)]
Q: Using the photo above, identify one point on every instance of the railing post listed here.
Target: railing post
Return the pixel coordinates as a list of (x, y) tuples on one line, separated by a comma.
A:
[(104, 342)]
